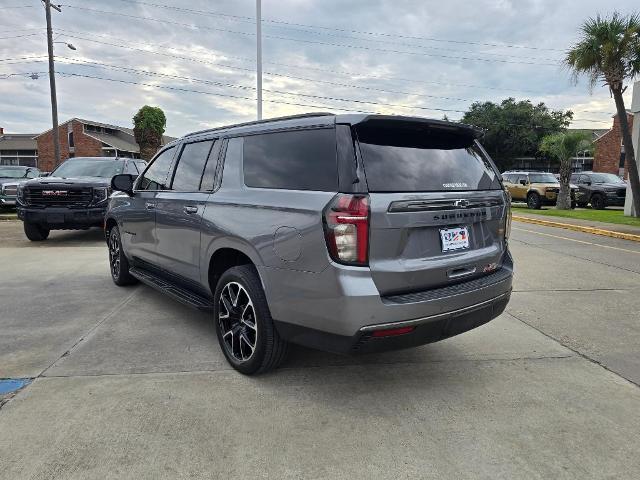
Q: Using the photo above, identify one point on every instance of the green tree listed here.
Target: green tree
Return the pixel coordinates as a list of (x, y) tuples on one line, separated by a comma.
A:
[(515, 128), (562, 147), (148, 127), (609, 51)]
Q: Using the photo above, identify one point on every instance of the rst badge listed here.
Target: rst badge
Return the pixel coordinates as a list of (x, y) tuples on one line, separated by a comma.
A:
[(55, 193)]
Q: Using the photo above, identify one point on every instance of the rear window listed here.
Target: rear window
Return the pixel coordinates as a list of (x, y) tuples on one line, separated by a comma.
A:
[(294, 160), (424, 159)]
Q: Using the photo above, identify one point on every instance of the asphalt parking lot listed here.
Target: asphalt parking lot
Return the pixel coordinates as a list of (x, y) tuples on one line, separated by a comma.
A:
[(129, 384)]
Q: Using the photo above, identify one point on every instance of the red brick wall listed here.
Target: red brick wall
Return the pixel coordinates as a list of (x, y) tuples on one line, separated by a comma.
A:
[(84, 146), (608, 148)]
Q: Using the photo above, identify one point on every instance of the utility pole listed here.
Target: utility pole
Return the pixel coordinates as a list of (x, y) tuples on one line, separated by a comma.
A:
[(259, 55), (52, 82)]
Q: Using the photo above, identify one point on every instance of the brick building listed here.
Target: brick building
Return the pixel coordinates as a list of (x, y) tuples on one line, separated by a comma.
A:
[(18, 149), (609, 156), (86, 138)]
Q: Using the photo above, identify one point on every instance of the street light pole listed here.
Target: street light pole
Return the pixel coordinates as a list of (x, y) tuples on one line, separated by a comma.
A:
[(52, 83), (259, 55)]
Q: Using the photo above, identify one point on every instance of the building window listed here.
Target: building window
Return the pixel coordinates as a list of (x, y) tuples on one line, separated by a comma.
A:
[(71, 144)]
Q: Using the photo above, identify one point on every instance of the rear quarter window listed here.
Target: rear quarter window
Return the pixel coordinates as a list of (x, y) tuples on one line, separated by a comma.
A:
[(424, 160), (292, 160)]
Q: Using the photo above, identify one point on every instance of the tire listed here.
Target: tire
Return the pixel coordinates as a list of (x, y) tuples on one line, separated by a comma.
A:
[(598, 202), (118, 263), (35, 232), (534, 201), (242, 319)]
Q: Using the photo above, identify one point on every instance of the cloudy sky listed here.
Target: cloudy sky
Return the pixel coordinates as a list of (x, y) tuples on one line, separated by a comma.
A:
[(196, 59)]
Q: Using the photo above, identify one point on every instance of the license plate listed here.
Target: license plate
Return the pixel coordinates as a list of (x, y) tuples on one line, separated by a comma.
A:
[(55, 218), (454, 238)]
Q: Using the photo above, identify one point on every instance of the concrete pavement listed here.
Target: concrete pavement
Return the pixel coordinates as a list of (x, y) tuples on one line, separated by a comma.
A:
[(130, 384)]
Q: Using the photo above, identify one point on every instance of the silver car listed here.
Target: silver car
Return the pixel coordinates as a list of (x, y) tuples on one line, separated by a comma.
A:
[(346, 233)]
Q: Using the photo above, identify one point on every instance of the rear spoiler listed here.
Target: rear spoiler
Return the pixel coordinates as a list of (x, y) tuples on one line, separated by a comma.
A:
[(418, 123)]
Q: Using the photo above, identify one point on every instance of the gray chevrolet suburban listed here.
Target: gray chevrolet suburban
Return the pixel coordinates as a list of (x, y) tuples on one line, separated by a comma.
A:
[(346, 233)]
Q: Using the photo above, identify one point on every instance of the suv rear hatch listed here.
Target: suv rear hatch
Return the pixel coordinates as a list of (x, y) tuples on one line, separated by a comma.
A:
[(437, 206)]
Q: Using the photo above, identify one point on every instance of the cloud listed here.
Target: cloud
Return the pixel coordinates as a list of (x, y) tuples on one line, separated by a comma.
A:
[(432, 55)]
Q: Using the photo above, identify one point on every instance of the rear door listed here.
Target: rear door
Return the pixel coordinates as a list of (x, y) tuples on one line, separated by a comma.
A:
[(437, 205), (179, 211)]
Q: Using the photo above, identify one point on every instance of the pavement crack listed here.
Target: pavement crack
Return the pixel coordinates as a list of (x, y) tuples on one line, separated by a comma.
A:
[(108, 316), (577, 352)]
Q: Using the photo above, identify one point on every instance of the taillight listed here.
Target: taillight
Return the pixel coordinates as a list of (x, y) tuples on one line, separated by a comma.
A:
[(507, 219), (346, 224)]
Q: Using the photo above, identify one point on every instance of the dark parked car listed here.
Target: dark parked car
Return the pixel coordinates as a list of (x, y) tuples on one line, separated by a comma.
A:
[(601, 190), (73, 196), (11, 176), (347, 233)]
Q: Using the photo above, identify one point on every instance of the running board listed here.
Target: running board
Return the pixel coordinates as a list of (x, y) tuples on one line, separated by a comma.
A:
[(177, 293)]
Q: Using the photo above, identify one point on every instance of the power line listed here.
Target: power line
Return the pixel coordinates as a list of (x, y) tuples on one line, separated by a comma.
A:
[(20, 36), (305, 67), (182, 89), (361, 32), (233, 67), (278, 24), (279, 92), (341, 45), (21, 58)]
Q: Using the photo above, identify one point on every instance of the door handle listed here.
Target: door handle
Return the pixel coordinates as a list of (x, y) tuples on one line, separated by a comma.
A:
[(461, 272), (190, 209), (149, 206)]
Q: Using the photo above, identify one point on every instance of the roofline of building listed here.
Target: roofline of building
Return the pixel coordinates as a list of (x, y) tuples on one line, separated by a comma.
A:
[(112, 146)]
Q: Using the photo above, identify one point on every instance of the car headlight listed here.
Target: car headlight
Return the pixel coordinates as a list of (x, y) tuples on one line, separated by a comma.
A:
[(100, 194), (20, 195)]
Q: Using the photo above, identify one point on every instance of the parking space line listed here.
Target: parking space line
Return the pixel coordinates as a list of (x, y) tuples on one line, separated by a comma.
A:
[(576, 240)]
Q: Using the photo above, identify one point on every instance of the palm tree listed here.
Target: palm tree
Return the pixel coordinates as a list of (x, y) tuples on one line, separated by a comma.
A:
[(149, 124), (562, 147), (609, 51)]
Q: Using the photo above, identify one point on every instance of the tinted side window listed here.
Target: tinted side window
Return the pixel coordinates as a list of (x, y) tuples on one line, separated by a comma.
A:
[(155, 178), (296, 160), (190, 166)]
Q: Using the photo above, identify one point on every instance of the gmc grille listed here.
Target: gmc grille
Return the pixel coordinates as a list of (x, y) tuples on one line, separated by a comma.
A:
[(10, 190), (62, 196)]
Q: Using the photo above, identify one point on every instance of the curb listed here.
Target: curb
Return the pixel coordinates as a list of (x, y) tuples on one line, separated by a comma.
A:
[(8, 219), (578, 228)]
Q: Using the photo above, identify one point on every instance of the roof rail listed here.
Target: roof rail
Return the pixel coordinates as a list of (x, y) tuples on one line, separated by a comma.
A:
[(258, 122)]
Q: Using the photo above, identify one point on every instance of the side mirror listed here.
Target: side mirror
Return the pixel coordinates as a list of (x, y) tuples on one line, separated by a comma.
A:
[(123, 183), (523, 182)]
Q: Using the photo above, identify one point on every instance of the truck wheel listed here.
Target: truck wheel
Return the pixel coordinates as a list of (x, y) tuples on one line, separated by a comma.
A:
[(35, 232), (245, 329), (598, 202), (534, 201), (118, 263)]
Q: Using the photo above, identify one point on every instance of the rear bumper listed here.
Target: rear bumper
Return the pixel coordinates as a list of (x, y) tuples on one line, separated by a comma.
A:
[(425, 330), (60, 218), (339, 309)]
